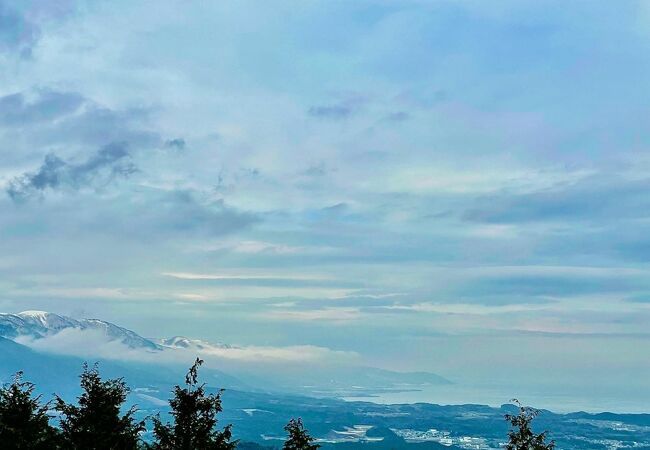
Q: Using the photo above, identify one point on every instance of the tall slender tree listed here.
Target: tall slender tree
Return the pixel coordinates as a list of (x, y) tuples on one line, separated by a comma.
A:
[(24, 422), (195, 419), (521, 435), (97, 423), (297, 437)]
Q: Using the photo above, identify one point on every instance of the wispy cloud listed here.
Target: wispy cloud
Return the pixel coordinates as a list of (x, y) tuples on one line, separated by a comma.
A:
[(260, 247), (331, 314), (204, 276)]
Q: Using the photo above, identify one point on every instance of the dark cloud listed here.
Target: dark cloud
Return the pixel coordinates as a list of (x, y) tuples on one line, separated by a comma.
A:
[(177, 143), (109, 162), (22, 22), (48, 176), (19, 110), (132, 214), (47, 118), (317, 170), (181, 210), (17, 33), (147, 213)]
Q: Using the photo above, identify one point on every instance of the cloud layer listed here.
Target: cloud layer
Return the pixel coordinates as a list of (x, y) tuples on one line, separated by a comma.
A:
[(365, 176)]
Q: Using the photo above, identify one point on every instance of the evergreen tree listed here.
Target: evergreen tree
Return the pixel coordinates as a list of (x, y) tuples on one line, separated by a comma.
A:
[(24, 423), (96, 422), (298, 438), (521, 436), (195, 419)]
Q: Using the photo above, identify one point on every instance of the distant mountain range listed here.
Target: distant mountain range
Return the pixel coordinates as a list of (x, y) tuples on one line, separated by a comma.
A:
[(29, 327), (40, 324), (259, 417)]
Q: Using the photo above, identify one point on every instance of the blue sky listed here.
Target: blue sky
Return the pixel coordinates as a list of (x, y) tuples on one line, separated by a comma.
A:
[(451, 186)]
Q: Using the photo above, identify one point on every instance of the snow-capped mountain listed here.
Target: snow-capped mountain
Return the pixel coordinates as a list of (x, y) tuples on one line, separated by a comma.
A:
[(39, 324), (46, 320), (35, 324), (241, 363)]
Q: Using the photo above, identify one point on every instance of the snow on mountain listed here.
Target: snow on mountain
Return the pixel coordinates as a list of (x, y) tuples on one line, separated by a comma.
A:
[(39, 324), (47, 320), (12, 326), (127, 337)]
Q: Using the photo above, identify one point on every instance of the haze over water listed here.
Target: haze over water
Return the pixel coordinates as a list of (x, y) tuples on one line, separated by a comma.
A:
[(560, 399)]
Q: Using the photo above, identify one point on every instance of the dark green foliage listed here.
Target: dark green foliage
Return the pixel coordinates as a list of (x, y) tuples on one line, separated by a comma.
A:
[(521, 436), (298, 438), (195, 419), (96, 422), (23, 420)]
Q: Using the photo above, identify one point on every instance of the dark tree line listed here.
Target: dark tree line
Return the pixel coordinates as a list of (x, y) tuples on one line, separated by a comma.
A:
[(96, 421)]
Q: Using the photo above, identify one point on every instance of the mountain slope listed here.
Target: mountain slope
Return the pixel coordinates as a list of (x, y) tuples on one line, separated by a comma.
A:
[(39, 324), (60, 374)]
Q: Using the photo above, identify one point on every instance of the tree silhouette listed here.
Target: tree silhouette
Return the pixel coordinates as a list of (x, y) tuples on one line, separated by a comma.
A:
[(298, 438), (24, 423), (521, 436), (96, 422), (195, 419)]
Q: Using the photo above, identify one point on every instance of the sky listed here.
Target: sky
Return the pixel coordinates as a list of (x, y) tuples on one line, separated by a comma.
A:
[(453, 186)]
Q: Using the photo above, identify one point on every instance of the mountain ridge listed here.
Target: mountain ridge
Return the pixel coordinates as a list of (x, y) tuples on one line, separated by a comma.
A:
[(340, 381), (40, 324)]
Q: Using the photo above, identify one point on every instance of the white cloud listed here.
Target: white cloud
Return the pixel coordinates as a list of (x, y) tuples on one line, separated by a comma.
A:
[(464, 308), (333, 314), (249, 276), (257, 247), (289, 354), (94, 344)]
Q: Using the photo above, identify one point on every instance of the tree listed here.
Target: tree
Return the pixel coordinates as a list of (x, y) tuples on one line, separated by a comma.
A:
[(521, 436), (298, 438), (195, 419), (96, 422), (24, 423)]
